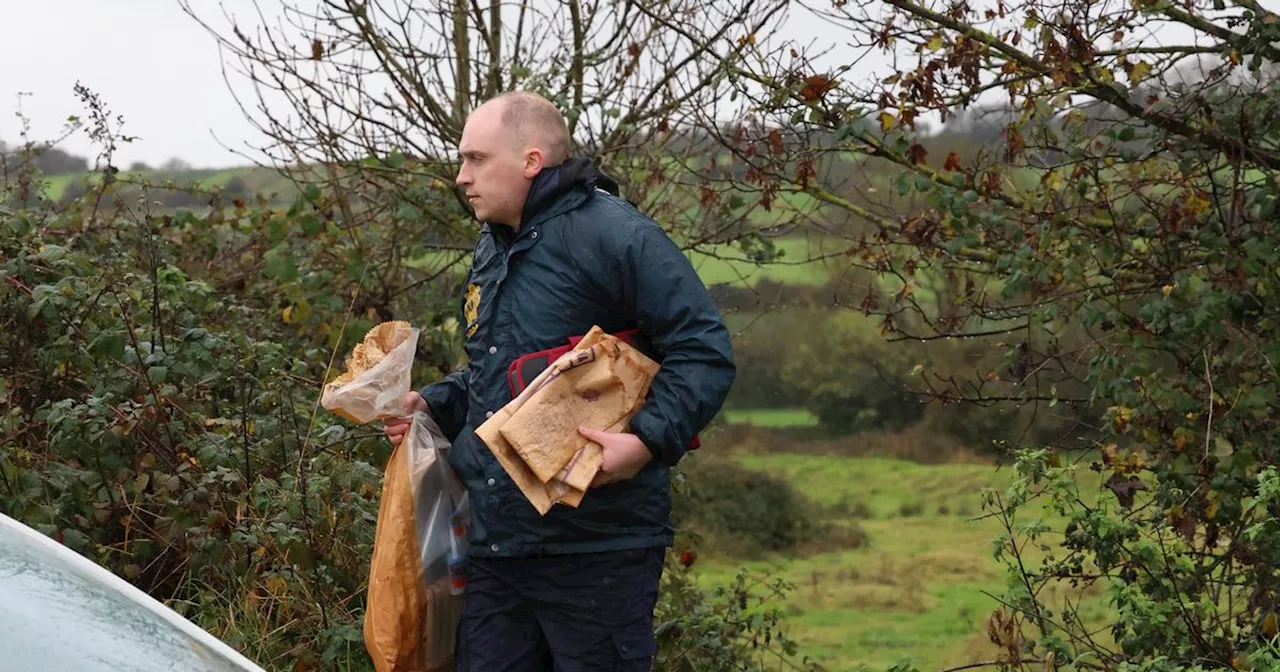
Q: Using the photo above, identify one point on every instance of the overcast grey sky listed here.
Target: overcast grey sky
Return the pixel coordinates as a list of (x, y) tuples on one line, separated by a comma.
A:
[(162, 71), (149, 61)]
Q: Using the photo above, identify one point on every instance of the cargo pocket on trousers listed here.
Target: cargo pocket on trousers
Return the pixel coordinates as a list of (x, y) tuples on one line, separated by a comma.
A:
[(636, 648)]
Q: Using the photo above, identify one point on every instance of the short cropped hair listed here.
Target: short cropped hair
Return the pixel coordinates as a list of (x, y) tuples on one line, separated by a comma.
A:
[(532, 116)]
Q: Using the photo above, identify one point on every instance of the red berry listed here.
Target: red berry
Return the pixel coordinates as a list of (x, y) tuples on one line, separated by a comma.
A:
[(687, 558)]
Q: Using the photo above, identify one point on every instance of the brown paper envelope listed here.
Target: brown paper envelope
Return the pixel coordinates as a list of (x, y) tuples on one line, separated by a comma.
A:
[(538, 430), (489, 432), (534, 490), (572, 498), (602, 394), (597, 392), (558, 465), (582, 470)]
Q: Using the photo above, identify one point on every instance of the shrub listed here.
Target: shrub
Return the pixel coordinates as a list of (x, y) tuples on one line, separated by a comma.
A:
[(852, 379), (743, 512), (723, 629), (910, 509), (154, 434), (759, 346)]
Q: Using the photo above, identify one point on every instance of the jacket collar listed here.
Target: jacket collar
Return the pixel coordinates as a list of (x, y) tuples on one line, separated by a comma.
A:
[(574, 176)]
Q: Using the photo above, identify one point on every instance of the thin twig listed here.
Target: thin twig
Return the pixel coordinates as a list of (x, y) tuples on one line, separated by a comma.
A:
[(992, 663), (1208, 429)]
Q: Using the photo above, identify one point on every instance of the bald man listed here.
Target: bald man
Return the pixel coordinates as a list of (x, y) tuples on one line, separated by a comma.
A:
[(558, 252)]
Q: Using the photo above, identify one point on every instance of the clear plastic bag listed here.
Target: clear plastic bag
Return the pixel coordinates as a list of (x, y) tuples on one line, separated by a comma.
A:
[(415, 579), (376, 393), (441, 514)]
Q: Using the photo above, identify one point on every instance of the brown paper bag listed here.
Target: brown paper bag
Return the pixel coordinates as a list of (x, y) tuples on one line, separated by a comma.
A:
[(412, 615), (414, 600)]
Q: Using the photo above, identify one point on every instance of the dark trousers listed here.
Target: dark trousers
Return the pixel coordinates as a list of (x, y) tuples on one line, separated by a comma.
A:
[(567, 613)]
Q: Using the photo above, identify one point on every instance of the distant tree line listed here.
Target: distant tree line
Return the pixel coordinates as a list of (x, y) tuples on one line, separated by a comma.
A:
[(48, 160)]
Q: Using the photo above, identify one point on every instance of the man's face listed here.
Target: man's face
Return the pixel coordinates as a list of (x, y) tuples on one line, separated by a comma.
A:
[(496, 168)]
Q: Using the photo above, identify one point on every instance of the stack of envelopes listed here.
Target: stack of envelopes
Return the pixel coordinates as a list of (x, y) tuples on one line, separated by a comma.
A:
[(601, 383)]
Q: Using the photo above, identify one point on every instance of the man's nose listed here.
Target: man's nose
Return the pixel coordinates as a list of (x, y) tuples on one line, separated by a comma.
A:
[(463, 178)]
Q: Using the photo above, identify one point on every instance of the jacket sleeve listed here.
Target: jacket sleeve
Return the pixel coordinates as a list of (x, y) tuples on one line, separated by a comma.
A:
[(676, 313), (447, 402)]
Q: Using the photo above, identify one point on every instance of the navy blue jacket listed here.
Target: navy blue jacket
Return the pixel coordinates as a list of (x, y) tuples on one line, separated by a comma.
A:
[(582, 256)]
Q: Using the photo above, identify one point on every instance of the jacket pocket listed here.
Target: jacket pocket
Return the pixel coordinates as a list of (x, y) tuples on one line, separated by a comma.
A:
[(636, 647)]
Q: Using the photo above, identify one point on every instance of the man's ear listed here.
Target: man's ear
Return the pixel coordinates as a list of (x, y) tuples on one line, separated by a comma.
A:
[(534, 161)]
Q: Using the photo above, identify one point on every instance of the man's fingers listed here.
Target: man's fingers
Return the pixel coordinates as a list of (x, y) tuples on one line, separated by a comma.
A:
[(395, 430), (593, 434)]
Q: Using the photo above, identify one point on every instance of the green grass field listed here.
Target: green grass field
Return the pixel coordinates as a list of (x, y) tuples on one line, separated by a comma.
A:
[(256, 180), (920, 589), (801, 264), (771, 418), (804, 261)]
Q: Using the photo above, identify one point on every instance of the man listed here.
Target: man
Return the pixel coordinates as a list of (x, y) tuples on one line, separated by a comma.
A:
[(558, 252)]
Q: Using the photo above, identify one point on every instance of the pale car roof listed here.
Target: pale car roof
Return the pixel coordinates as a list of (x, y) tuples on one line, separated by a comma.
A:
[(60, 611)]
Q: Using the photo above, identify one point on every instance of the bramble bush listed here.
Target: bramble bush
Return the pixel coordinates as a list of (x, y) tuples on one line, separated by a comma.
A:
[(159, 382), (1116, 242)]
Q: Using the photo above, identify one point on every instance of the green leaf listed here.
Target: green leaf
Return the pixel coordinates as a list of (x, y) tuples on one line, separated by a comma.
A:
[(280, 264), (311, 224), (276, 229), (355, 267), (51, 253), (108, 345), (407, 212), (157, 374), (903, 186)]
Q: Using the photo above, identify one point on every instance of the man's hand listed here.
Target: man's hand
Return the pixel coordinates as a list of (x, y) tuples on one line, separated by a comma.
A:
[(396, 428), (624, 455)]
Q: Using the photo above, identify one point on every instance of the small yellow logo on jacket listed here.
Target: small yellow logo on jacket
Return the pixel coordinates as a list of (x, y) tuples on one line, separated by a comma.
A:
[(471, 309)]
